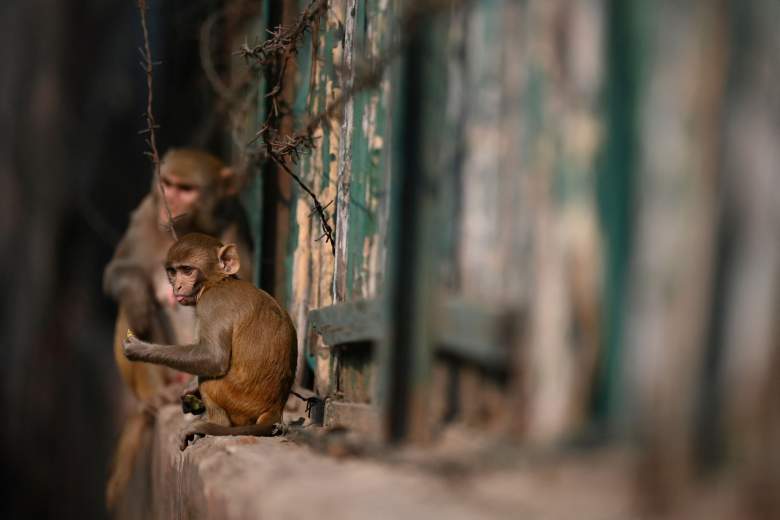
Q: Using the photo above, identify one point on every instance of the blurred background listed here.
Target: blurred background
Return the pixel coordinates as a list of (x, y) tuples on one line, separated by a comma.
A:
[(73, 168), (554, 225)]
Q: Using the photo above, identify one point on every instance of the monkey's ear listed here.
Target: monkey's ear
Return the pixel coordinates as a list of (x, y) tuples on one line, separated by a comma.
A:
[(228, 259), (230, 180)]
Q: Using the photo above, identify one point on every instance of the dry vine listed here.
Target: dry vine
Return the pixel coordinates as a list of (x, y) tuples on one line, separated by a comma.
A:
[(147, 64), (284, 44), (274, 55)]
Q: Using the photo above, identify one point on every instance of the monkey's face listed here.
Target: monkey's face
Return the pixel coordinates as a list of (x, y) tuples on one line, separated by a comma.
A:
[(186, 280), (196, 259), (182, 194)]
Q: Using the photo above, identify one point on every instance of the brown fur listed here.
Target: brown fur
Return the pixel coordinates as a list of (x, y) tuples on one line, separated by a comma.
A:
[(143, 379), (246, 351), (130, 442), (135, 278), (263, 355)]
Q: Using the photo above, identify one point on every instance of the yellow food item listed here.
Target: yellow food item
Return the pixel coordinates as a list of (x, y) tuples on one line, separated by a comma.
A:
[(129, 333)]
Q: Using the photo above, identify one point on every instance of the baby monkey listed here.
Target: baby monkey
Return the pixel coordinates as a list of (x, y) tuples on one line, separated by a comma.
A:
[(245, 351)]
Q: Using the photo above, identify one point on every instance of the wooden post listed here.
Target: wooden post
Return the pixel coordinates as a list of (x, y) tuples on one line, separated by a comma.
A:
[(345, 160), (406, 355), (678, 172)]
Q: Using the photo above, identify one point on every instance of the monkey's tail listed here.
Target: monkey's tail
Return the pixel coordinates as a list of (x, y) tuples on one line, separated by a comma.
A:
[(312, 400), (130, 443)]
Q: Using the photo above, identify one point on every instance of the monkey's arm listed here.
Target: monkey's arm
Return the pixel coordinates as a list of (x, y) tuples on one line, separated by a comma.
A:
[(127, 265), (209, 357), (125, 278), (131, 290), (125, 281)]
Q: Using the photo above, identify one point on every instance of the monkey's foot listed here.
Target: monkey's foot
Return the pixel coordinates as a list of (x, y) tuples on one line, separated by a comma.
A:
[(191, 404), (189, 435)]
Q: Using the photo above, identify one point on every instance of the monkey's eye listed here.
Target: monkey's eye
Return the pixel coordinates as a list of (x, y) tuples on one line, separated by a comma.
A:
[(186, 270), (170, 271), (186, 187)]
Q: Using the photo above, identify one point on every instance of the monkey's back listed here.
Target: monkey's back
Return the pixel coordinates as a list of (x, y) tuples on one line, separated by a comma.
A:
[(263, 356)]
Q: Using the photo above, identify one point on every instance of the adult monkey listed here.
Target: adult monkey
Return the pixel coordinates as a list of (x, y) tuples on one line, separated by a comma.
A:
[(201, 194), (245, 351)]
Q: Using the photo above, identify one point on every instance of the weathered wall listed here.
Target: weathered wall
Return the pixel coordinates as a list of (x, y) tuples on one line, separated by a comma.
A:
[(583, 255)]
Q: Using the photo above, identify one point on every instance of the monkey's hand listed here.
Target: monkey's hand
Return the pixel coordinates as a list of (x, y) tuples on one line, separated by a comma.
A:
[(133, 348), (138, 305)]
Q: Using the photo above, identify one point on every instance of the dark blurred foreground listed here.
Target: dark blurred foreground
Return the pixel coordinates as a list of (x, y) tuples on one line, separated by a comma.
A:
[(72, 168)]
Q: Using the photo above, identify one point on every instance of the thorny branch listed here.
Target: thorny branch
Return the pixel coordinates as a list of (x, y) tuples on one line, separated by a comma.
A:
[(365, 78), (279, 48), (283, 42), (274, 54), (147, 64), (326, 228)]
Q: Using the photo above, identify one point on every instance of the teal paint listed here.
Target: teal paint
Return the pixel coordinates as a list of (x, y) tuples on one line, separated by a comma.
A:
[(300, 112), (358, 211), (252, 198), (367, 172), (326, 72), (615, 192)]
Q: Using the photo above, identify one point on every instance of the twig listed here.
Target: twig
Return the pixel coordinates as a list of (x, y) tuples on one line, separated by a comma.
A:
[(302, 142), (327, 230), (284, 40), (274, 54), (147, 64), (278, 49), (326, 206)]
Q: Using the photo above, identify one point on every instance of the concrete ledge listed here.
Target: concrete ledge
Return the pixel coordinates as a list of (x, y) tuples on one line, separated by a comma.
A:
[(235, 478), (247, 477)]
